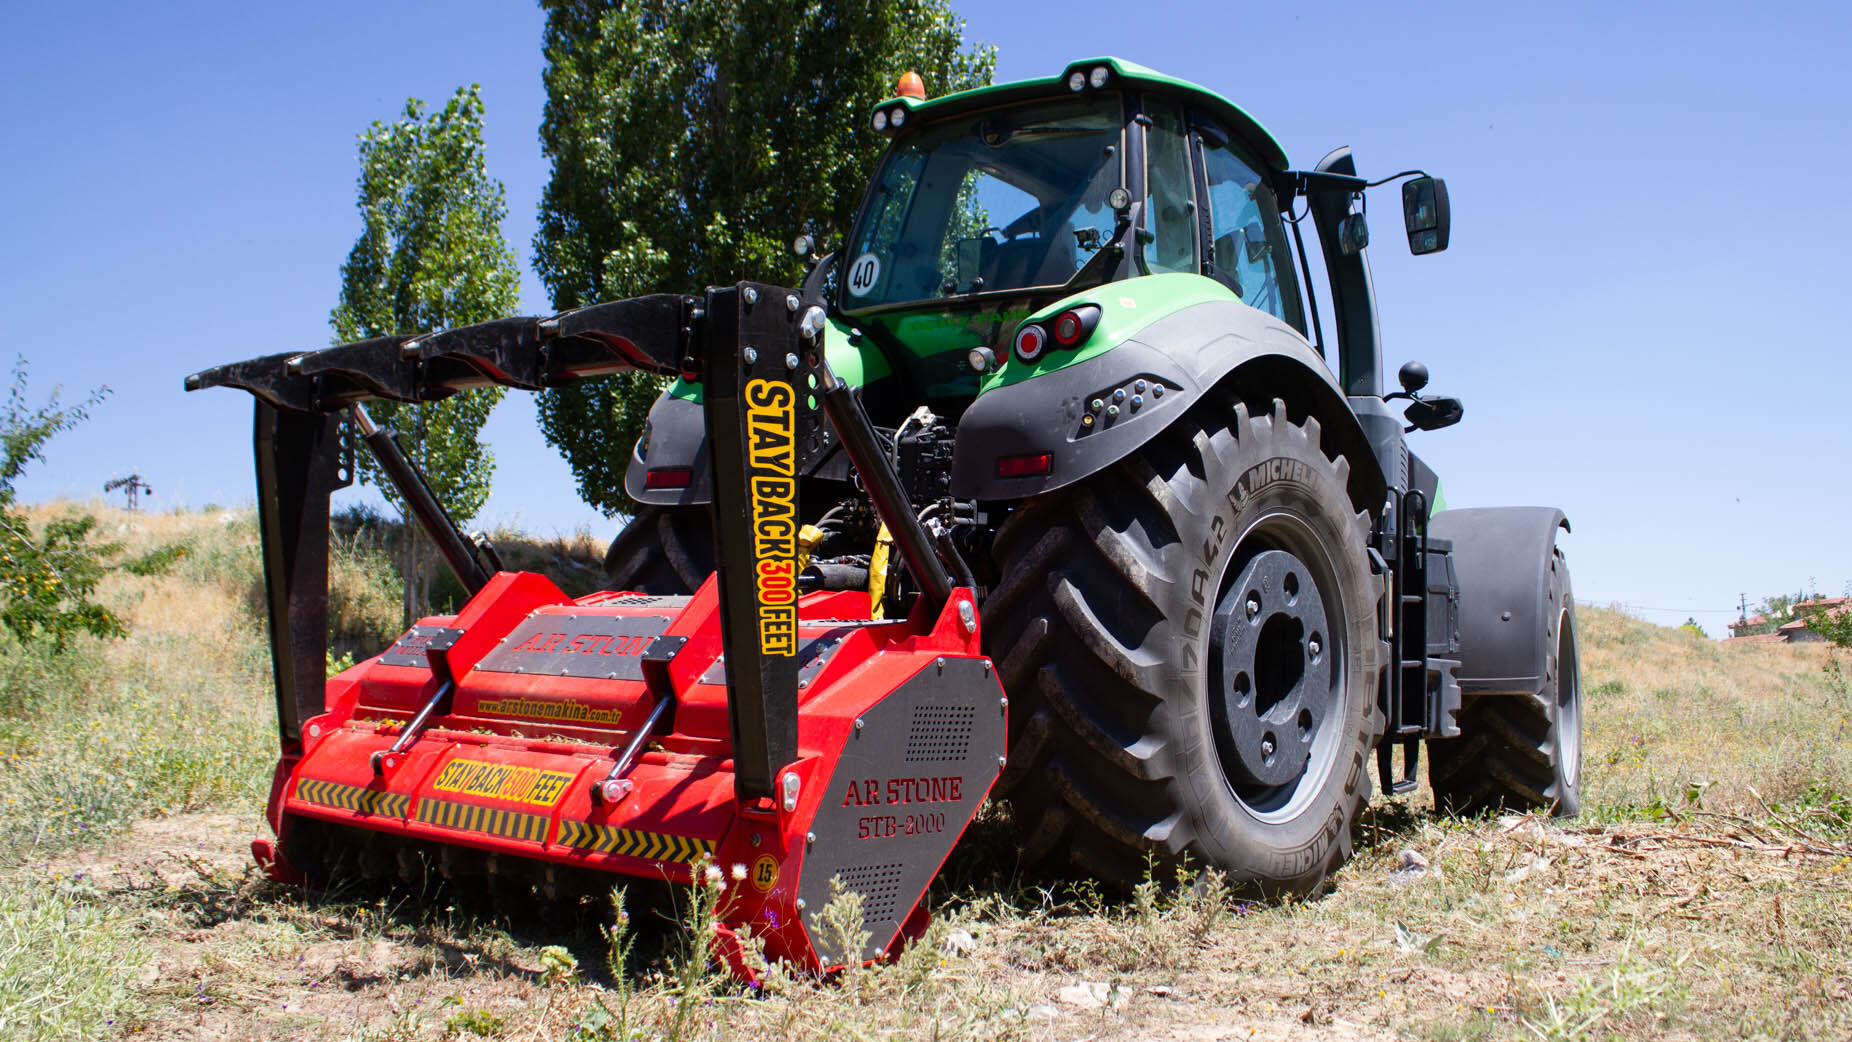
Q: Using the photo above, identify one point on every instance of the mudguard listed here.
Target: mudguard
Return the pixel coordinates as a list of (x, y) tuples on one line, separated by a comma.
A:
[(1501, 556), (1177, 359)]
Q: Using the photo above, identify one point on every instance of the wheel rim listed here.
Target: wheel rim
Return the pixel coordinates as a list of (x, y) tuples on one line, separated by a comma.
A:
[(1277, 658), (1568, 702)]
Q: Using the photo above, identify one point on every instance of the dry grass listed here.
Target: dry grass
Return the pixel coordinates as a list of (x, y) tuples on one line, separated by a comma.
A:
[(1704, 895), (1669, 712)]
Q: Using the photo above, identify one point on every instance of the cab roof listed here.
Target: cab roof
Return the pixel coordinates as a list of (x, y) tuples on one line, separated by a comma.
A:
[(1123, 74)]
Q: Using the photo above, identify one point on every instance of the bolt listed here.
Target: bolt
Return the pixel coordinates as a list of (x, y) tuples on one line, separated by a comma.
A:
[(1311, 646), (941, 664), (1112, 410), (1003, 703), (1002, 761), (792, 303), (791, 361), (1139, 387), (1096, 405), (756, 839), (800, 904), (1087, 420), (1266, 747), (810, 840), (749, 356), (751, 295), (1253, 606), (858, 725), (1119, 395), (967, 617), (1138, 400), (1157, 390)]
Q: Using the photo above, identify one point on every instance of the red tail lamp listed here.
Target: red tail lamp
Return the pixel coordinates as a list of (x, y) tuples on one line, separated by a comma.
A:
[(669, 477), (1075, 324), (1032, 465), (1031, 341)]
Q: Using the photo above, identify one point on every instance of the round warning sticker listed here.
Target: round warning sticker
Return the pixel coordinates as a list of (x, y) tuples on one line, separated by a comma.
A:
[(765, 872), (863, 274)]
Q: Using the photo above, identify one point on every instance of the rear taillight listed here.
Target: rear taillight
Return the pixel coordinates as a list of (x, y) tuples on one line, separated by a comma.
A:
[(1075, 324), (1031, 341), (1027, 466), (669, 477)]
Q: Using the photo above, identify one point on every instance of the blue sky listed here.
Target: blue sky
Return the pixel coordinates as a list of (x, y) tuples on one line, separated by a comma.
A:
[(1638, 307)]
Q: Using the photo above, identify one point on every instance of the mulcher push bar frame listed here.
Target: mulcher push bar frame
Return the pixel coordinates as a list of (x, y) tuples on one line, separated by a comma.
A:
[(741, 342)]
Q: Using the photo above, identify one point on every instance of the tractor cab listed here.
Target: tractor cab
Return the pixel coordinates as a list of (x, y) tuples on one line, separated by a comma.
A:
[(995, 203)]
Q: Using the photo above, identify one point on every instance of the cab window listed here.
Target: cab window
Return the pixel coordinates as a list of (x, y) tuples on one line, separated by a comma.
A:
[(1250, 253), (1169, 199)]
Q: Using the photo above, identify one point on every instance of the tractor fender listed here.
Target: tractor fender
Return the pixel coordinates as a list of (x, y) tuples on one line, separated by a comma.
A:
[(1502, 558), (1178, 358), (674, 438)]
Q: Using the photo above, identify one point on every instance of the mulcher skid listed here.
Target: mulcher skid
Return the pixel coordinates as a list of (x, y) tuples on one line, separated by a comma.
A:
[(784, 739)]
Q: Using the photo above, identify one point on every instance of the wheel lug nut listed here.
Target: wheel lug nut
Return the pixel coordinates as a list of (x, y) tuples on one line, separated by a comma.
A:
[(1311, 647), (1266, 747), (1253, 606)]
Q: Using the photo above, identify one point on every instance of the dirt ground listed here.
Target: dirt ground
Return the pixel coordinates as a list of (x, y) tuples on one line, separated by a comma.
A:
[(1518, 928)]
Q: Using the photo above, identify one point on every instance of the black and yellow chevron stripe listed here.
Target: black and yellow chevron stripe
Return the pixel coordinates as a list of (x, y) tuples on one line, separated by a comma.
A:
[(476, 818), (352, 797), (604, 839)]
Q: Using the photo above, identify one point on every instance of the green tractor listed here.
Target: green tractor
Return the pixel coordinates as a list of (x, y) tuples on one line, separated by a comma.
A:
[(1214, 579)]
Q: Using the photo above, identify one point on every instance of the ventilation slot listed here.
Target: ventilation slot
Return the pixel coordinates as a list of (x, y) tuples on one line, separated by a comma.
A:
[(879, 886), (940, 733)]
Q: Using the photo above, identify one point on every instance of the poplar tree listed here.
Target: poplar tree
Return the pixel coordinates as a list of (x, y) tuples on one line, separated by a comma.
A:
[(430, 256), (691, 141)]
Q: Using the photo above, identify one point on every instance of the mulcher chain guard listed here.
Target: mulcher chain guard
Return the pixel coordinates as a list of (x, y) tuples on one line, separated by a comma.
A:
[(785, 740)]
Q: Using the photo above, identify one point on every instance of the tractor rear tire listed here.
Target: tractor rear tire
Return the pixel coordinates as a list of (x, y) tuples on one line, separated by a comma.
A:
[(664, 550), (1521, 752), (1130, 610)]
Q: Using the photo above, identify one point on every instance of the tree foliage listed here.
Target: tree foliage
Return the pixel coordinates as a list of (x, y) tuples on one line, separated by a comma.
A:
[(47, 577), (691, 140), (430, 256)]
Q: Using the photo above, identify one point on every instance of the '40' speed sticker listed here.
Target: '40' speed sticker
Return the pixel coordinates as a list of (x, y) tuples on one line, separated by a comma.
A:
[(863, 274)]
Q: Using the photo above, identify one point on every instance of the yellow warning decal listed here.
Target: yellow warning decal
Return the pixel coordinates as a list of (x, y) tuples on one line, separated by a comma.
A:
[(352, 797), (605, 839), (764, 872), (502, 781), (771, 448), (476, 818)]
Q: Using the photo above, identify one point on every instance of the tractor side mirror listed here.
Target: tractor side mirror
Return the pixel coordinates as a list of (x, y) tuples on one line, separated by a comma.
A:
[(1425, 212), (1353, 235), (1433, 413)]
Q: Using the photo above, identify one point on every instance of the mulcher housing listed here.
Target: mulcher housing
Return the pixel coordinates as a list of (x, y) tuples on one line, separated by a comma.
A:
[(791, 740)]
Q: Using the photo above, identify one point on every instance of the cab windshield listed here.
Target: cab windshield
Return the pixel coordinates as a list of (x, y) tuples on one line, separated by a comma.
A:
[(1005, 200)]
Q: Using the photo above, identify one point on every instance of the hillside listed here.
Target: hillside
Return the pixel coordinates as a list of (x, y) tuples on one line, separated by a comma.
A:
[(1703, 894)]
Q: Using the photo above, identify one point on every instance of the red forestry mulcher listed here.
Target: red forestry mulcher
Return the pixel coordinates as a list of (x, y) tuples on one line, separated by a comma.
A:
[(750, 725)]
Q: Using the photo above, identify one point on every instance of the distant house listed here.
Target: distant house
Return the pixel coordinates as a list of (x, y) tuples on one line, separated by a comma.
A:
[(1794, 631)]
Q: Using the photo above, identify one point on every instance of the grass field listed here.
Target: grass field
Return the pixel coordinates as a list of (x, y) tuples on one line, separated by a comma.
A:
[(1706, 892)]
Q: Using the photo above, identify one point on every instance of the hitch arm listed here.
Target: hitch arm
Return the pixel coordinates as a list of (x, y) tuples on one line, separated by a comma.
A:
[(459, 552)]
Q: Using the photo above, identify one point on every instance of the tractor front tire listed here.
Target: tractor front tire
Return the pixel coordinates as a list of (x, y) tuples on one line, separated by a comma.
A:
[(1189, 643), (1521, 752), (664, 550)]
